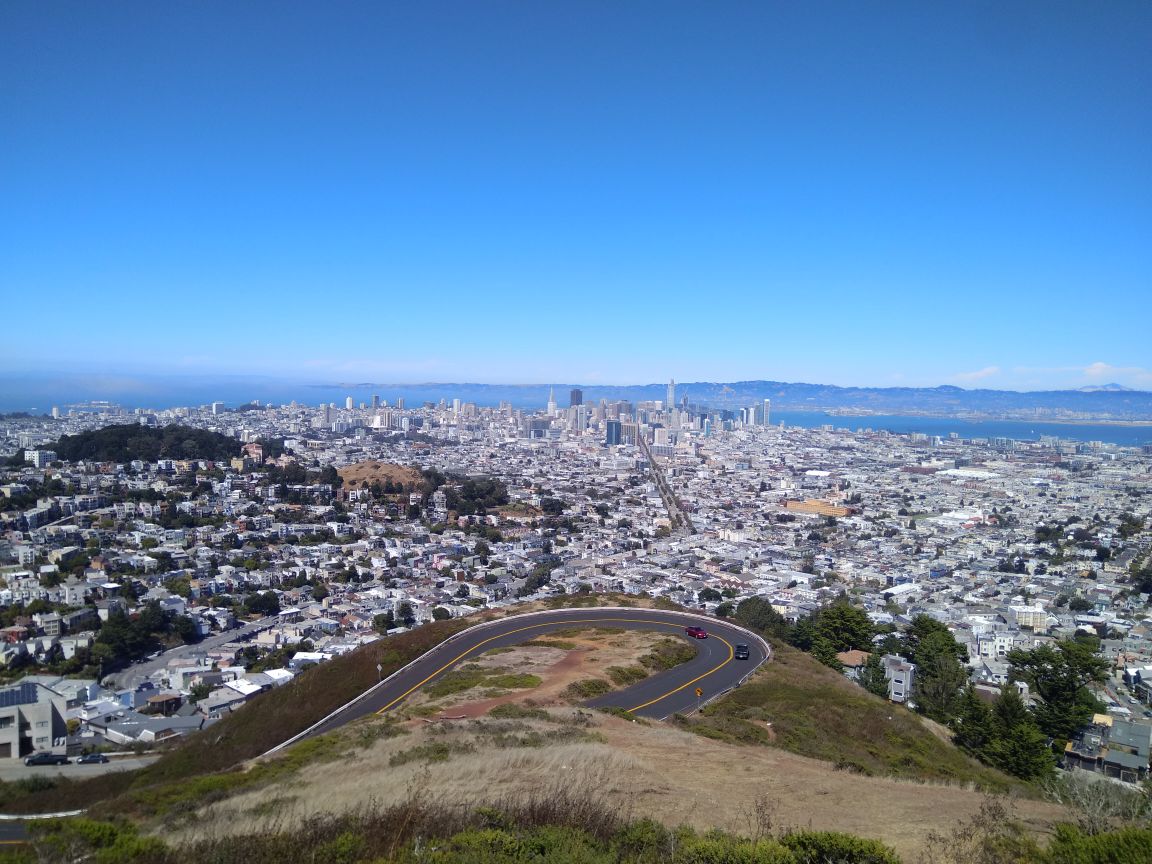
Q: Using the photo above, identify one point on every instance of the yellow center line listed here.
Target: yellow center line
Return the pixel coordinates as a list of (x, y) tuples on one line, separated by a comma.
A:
[(468, 651), (731, 654)]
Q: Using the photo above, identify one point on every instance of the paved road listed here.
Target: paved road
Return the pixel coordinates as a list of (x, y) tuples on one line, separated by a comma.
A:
[(135, 675), (12, 834), (712, 671), (15, 769)]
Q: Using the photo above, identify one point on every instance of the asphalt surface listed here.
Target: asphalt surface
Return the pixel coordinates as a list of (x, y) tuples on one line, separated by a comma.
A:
[(12, 834), (138, 673), (712, 671), (15, 769)]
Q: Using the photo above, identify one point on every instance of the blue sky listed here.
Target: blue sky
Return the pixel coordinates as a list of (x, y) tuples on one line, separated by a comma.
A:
[(602, 192)]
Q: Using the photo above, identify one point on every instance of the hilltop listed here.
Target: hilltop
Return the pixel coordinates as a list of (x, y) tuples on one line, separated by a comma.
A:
[(148, 443), (798, 741)]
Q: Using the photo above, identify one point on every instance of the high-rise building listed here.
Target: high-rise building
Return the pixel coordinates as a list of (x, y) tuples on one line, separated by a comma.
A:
[(400, 403), (670, 401), (765, 420), (348, 403), (551, 402), (576, 397), (375, 401), (612, 432)]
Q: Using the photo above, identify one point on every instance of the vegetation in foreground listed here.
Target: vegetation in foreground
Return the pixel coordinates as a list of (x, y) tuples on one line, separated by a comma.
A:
[(271, 717), (801, 706), (565, 827), (1010, 736)]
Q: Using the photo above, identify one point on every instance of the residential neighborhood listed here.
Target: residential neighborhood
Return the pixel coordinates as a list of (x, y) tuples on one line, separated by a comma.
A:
[(147, 598)]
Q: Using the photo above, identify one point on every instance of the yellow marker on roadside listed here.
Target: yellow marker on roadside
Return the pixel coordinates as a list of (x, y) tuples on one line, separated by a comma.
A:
[(699, 691)]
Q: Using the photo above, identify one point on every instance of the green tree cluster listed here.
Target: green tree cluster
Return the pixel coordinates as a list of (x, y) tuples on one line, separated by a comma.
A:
[(1059, 675), (831, 629), (130, 441), (1004, 735)]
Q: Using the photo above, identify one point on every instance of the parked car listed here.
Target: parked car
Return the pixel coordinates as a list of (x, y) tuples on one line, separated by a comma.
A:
[(696, 632), (741, 652), (46, 759), (92, 759)]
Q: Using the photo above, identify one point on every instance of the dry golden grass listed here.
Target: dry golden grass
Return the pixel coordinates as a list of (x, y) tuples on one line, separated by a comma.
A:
[(644, 770), (365, 473)]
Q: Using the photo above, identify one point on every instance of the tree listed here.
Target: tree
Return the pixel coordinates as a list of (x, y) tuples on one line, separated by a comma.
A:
[(725, 610), (872, 677), (710, 595), (758, 614), (922, 627), (843, 626), (440, 614), (263, 603), (184, 627), (1017, 747), (405, 614), (384, 622), (553, 506), (1060, 676), (825, 652), (972, 723), (939, 676)]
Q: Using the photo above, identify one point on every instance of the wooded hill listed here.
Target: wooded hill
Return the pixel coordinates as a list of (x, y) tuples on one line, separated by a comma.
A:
[(133, 441)]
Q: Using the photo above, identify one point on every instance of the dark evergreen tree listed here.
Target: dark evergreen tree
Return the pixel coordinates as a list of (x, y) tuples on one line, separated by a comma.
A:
[(872, 677), (1059, 676)]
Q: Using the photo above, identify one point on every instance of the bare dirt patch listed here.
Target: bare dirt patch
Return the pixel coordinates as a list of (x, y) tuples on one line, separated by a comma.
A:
[(364, 474), (587, 654)]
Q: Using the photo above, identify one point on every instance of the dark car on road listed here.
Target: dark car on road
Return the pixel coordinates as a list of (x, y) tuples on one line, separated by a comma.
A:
[(696, 632), (46, 759), (741, 652), (92, 759)]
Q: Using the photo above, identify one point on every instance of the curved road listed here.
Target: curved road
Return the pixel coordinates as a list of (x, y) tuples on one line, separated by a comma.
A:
[(712, 671)]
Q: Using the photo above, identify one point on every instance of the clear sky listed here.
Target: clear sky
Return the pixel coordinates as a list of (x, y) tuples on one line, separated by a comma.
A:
[(599, 192)]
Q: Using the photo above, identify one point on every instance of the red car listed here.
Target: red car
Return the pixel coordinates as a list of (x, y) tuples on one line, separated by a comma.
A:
[(696, 632)]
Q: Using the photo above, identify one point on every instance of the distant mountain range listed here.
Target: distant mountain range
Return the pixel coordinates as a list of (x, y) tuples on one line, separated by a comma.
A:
[(1105, 402)]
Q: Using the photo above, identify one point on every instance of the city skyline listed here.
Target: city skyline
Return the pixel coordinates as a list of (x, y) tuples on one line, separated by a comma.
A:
[(883, 197)]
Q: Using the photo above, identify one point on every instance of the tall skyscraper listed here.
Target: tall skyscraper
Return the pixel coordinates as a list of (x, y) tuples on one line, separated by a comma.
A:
[(612, 432), (348, 404), (551, 402), (670, 401), (375, 401), (765, 420), (576, 397)]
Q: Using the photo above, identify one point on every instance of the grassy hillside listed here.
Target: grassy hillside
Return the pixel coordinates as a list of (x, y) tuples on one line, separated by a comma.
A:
[(812, 710), (268, 719), (804, 707)]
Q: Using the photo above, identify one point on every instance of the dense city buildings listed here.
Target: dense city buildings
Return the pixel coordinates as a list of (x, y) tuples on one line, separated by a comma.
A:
[(315, 529)]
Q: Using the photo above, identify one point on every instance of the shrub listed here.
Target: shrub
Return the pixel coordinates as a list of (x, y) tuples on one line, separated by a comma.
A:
[(586, 689)]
